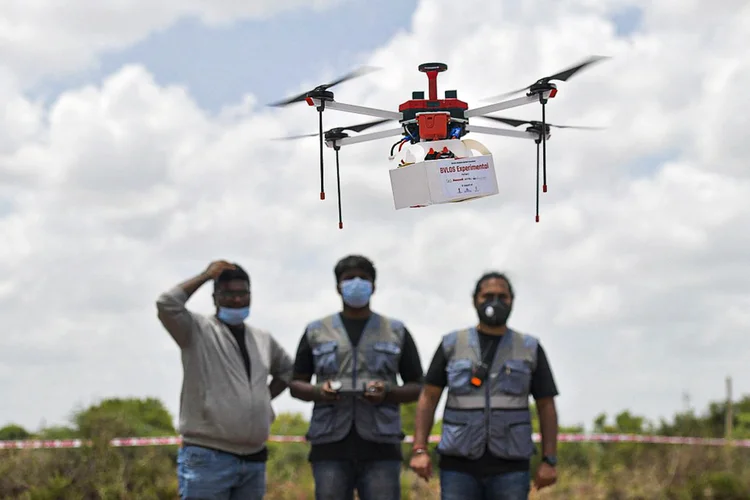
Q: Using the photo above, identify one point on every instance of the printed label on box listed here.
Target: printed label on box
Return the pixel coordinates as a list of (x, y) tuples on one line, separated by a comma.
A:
[(466, 177)]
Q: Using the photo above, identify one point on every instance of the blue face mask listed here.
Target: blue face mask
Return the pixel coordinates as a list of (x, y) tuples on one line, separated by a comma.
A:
[(232, 316), (356, 292)]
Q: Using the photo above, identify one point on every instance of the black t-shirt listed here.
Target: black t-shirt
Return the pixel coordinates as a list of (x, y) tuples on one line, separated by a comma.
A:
[(542, 386), (238, 331), (354, 447)]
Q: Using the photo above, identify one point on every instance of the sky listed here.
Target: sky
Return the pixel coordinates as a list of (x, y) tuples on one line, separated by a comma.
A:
[(135, 150)]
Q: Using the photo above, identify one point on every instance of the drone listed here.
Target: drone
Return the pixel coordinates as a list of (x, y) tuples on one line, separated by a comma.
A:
[(434, 119)]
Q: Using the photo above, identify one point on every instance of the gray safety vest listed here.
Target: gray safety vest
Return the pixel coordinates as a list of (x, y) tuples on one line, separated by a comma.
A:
[(494, 416), (376, 358)]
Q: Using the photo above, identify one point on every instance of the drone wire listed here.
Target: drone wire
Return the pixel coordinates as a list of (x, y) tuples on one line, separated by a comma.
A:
[(400, 145), (394, 146)]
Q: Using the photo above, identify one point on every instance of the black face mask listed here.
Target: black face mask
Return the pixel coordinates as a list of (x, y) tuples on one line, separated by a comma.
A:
[(493, 312)]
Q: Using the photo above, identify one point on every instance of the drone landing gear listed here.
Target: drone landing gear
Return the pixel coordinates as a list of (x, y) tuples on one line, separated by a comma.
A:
[(540, 88), (323, 96), (336, 148), (332, 138), (542, 131), (539, 131), (537, 178)]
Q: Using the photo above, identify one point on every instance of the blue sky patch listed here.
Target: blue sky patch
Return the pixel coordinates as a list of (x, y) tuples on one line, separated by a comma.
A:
[(267, 58), (649, 166), (627, 20)]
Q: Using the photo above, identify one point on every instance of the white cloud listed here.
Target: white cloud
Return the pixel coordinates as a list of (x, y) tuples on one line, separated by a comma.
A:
[(635, 279)]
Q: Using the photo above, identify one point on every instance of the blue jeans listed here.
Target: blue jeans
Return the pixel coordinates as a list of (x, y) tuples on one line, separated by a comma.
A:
[(205, 474), (373, 480), (462, 486)]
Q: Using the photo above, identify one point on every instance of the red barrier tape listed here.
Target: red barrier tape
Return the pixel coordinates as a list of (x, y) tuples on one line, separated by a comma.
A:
[(563, 438)]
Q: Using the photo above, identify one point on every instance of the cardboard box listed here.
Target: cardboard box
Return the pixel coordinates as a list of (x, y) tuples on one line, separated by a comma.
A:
[(443, 181)]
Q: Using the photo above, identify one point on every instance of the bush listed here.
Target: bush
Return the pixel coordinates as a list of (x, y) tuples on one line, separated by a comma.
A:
[(611, 471)]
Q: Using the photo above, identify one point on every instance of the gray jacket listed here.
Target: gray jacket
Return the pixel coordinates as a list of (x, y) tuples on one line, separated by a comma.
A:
[(218, 407)]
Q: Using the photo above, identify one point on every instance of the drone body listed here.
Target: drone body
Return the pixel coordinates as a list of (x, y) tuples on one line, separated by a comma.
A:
[(429, 119), (437, 126)]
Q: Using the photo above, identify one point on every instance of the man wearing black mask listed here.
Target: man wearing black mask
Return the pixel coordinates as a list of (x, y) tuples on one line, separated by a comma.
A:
[(490, 372)]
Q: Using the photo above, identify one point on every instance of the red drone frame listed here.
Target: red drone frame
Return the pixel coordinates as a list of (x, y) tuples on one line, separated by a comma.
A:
[(435, 119)]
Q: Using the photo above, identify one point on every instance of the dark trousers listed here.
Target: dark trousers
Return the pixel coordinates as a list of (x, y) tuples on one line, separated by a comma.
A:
[(462, 486), (373, 480)]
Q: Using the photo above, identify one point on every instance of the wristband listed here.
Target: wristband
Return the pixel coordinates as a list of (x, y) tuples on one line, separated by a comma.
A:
[(318, 390), (418, 450)]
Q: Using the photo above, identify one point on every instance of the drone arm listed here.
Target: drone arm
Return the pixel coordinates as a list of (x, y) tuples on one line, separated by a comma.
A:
[(503, 132), (359, 110), (370, 137), (512, 103)]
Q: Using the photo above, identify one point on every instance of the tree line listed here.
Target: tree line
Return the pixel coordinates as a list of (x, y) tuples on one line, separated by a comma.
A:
[(587, 470)]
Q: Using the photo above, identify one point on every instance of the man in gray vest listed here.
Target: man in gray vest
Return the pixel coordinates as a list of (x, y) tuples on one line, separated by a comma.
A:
[(490, 372), (225, 405), (356, 356)]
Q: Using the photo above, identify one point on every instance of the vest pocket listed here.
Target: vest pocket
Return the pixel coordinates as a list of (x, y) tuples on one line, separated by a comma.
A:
[(459, 375), (321, 421), (514, 377), (511, 435), (463, 434), (325, 358), (388, 420), (384, 358)]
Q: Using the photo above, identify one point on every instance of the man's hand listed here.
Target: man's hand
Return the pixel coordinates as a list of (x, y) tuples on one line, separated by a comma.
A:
[(375, 392), (421, 465), (423, 420), (325, 393), (546, 475), (215, 268)]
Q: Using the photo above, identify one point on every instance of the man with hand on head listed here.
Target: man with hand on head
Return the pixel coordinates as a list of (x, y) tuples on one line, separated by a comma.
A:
[(225, 404), (490, 371), (356, 356)]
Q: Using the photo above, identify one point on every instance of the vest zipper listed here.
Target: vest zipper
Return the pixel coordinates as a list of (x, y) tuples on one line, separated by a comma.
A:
[(487, 409), (487, 401), (355, 355), (354, 368)]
